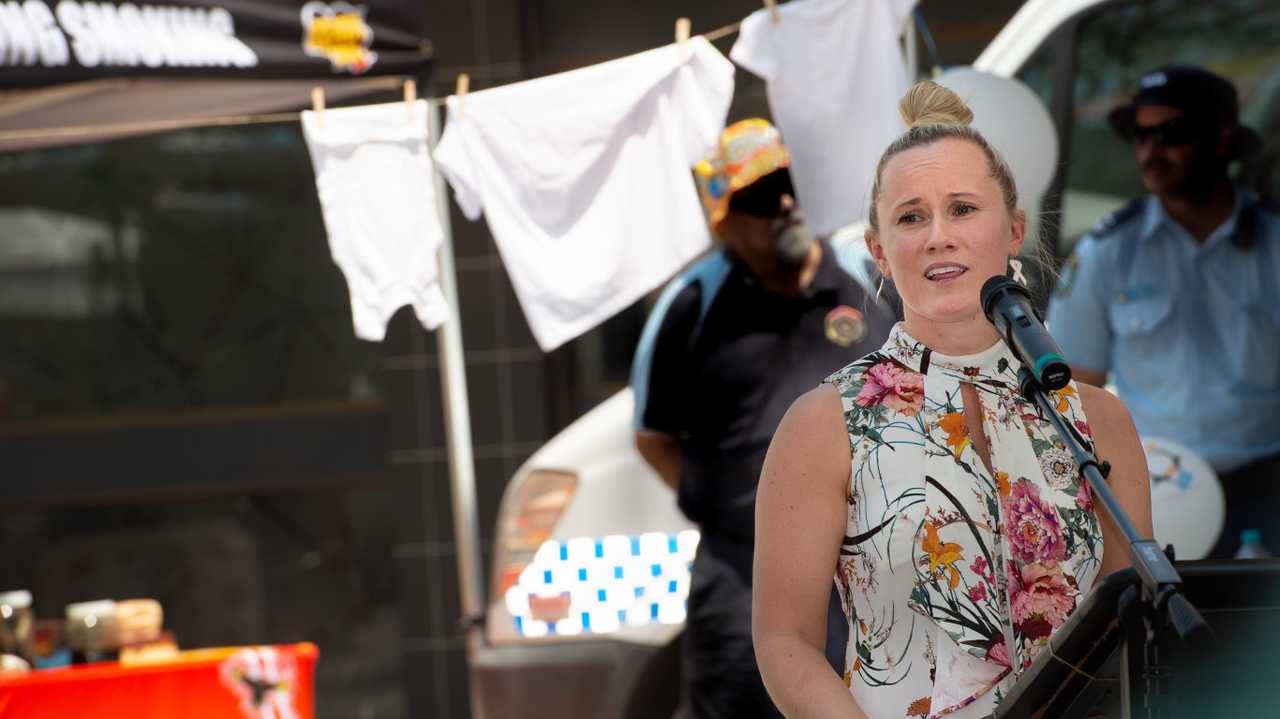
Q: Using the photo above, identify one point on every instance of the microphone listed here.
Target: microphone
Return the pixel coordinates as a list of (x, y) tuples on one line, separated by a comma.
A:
[(1007, 305)]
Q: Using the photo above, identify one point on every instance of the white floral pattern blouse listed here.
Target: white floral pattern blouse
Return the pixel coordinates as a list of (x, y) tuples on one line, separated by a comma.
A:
[(953, 579)]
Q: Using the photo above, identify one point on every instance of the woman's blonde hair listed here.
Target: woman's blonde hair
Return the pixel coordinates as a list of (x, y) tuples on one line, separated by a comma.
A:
[(933, 113)]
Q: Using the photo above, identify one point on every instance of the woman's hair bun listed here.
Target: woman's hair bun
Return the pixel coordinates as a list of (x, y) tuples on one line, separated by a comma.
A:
[(928, 103)]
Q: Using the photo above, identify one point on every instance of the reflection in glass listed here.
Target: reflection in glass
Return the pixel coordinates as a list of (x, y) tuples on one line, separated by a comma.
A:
[(179, 271), (1239, 39)]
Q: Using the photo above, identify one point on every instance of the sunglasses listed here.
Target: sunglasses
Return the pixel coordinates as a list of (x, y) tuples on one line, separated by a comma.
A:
[(763, 198), (1178, 131)]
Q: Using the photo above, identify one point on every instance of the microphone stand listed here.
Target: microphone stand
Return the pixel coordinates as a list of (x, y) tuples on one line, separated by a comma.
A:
[(1144, 614)]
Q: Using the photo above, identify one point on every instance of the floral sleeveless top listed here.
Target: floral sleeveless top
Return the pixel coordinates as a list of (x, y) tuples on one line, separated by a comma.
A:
[(953, 578)]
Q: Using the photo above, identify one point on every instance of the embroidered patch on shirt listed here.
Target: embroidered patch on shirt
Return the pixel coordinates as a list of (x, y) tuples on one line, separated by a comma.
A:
[(844, 326)]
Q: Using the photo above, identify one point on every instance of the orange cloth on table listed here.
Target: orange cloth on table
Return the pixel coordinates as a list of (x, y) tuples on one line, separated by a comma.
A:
[(230, 683)]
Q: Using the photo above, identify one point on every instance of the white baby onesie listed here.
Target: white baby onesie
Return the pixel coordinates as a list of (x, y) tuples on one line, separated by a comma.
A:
[(374, 175)]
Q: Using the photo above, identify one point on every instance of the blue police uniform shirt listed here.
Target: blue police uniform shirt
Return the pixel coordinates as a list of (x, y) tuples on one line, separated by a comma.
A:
[(1189, 331)]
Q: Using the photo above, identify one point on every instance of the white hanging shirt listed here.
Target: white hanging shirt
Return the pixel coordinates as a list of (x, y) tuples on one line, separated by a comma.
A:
[(375, 179), (835, 73), (584, 178)]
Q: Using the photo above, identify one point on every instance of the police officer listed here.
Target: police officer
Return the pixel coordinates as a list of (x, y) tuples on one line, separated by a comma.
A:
[(1176, 294), (727, 348)]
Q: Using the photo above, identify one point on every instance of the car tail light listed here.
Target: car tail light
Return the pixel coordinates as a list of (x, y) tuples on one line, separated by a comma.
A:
[(526, 520)]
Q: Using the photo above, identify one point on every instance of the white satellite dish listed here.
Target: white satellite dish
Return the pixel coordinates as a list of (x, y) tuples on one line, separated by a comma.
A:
[(1188, 508)]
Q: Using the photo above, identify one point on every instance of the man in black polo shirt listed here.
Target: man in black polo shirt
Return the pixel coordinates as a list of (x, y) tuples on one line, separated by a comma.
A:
[(731, 343)]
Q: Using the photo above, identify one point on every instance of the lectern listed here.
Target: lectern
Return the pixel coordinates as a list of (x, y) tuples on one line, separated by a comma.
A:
[(1109, 660)]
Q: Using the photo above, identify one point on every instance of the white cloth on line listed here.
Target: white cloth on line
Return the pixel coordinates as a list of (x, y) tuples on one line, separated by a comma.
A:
[(375, 179), (834, 72), (584, 178)]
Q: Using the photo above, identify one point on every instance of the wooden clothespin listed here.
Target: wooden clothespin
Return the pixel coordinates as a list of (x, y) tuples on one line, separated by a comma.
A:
[(461, 90), (410, 96), (772, 5), (317, 104), (682, 37)]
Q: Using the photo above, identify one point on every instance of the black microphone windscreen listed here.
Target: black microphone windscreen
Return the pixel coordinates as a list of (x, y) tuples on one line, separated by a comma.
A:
[(992, 289)]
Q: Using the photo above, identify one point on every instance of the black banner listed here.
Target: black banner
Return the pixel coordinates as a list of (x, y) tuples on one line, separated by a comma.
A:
[(44, 42)]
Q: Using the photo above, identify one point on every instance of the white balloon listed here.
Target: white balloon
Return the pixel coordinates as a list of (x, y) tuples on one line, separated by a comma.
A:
[(1188, 507), (1014, 121)]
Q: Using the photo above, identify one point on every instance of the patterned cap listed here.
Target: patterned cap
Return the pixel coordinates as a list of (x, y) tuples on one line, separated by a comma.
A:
[(749, 150)]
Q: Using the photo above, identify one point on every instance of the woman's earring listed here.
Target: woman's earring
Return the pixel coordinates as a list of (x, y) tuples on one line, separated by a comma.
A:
[(1015, 264)]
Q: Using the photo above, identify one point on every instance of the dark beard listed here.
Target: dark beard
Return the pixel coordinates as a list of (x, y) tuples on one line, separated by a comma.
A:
[(791, 243)]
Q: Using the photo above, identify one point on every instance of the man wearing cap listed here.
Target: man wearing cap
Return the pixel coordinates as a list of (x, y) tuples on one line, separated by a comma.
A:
[(1176, 296), (729, 345)]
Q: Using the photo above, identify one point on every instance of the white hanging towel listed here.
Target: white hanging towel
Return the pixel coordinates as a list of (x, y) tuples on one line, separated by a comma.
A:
[(834, 72), (584, 178), (374, 175)]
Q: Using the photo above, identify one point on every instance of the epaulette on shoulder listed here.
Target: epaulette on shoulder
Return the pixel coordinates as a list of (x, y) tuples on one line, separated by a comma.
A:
[(1112, 220)]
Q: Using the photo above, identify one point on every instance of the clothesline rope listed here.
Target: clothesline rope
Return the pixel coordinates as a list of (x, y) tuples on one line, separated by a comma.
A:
[(724, 31), (149, 126)]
